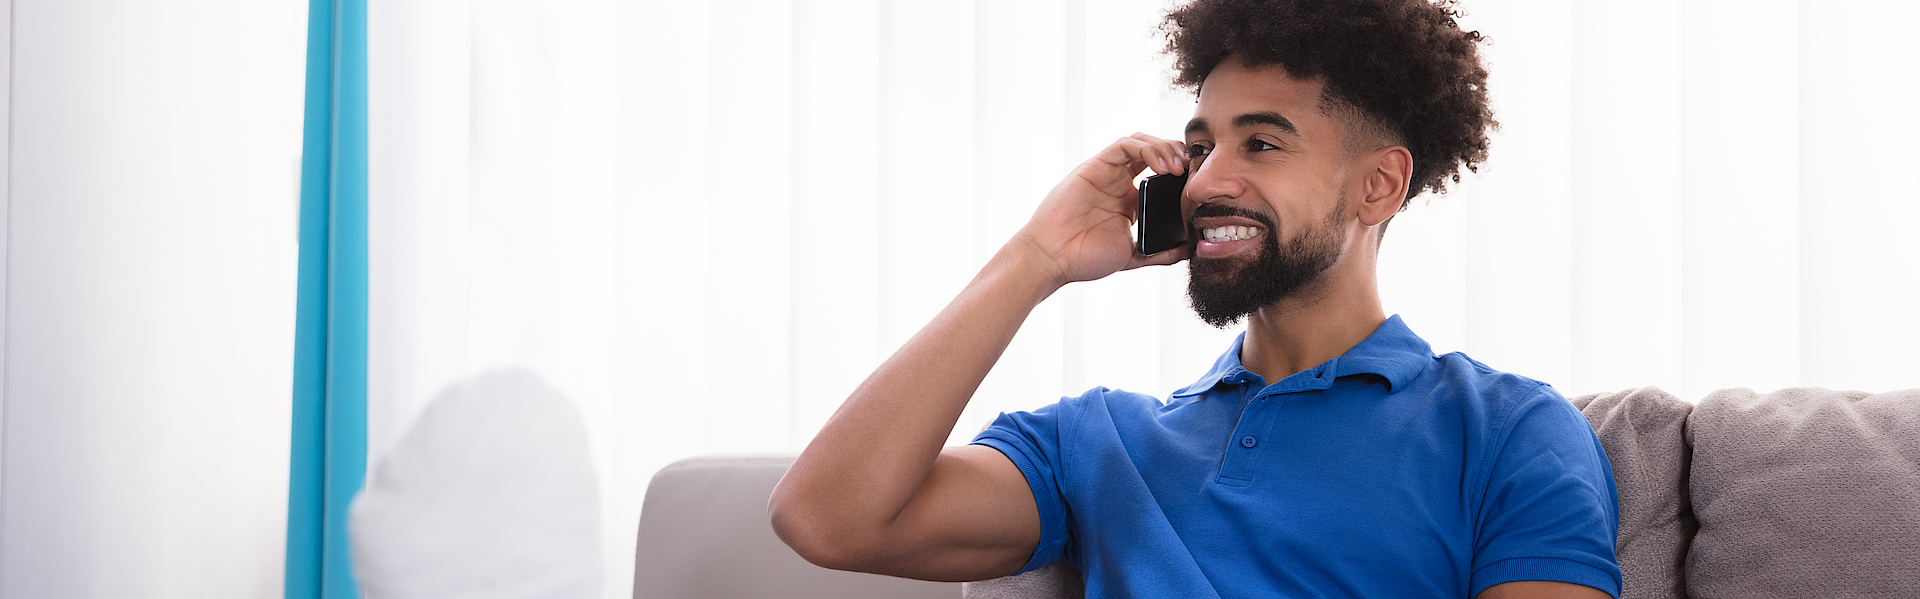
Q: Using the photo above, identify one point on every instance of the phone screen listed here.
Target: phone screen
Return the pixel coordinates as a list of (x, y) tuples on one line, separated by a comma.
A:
[(1159, 226)]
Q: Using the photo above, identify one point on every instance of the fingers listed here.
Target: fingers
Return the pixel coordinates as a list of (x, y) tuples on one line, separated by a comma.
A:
[(1169, 257), (1162, 155), (1084, 226), (1126, 157), (1166, 156)]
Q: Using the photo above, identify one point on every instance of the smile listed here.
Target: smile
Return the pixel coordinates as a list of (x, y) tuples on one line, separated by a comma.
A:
[(1228, 233)]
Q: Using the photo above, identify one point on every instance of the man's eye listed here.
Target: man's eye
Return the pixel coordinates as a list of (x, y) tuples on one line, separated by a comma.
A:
[(1255, 145), (1197, 150)]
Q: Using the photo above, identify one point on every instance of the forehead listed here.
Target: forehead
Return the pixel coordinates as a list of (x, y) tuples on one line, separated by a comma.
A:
[(1233, 89)]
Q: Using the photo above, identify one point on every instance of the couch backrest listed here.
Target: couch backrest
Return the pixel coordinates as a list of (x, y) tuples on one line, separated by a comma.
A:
[(1805, 492), (1644, 433), (704, 533)]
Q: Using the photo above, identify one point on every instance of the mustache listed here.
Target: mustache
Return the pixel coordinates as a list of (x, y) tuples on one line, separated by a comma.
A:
[(1206, 210)]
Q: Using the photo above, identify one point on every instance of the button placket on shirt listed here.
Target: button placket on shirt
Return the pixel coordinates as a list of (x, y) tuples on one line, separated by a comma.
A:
[(1258, 420), (1239, 466)]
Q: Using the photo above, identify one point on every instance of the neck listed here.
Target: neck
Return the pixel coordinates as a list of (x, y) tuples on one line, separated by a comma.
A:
[(1319, 322)]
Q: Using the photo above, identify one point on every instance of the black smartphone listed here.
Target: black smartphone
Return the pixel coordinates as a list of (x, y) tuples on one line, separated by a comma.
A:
[(1159, 225)]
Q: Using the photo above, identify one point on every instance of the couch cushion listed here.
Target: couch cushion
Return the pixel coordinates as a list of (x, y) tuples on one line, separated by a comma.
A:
[(1058, 580), (1806, 492), (1643, 431)]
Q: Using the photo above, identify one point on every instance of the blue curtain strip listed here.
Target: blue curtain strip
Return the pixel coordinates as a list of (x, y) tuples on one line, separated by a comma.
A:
[(329, 445)]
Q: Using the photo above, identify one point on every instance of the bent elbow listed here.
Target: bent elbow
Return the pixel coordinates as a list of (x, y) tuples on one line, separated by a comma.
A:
[(821, 540)]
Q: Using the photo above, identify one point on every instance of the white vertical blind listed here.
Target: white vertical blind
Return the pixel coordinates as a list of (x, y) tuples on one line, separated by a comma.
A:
[(1519, 258), (707, 221), (835, 178), (1023, 83), (746, 234), (1740, 209), (1859, 114), (153, 155), (494, 149), (1627, 174), (662, 275)]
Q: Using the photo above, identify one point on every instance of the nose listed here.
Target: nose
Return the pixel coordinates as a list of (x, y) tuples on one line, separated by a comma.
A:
[(1211, 179)]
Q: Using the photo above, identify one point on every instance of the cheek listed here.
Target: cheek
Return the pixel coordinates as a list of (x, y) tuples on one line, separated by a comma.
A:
[(1296, 208), (1275, 198)]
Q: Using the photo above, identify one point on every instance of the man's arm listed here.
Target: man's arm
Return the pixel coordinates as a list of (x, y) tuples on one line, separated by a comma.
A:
[(1542, 589), (1549, 497), (875, 491)]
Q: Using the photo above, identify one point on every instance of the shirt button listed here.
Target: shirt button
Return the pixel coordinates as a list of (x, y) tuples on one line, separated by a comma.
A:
[(1247, 441)]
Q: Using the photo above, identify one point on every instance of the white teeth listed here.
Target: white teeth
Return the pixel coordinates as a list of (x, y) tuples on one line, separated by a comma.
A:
[(1228, 233)]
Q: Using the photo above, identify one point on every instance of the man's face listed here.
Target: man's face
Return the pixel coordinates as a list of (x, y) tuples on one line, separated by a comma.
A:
[(1271, 166)]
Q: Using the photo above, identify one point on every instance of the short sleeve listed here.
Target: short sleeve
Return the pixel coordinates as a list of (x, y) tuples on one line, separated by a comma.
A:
[(1032, 441), (1549, 511)]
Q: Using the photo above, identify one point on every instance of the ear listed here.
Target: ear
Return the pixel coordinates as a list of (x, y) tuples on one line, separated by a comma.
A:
[(1386, 184)]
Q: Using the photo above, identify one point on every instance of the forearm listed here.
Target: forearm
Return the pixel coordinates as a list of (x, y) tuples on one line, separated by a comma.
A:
[(871, 458), (874, 491)]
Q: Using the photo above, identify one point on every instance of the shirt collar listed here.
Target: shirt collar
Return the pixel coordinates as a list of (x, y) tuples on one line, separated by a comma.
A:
[(1392, 351)]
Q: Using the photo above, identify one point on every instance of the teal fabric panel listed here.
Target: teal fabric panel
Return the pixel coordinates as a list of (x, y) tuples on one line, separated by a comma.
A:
[(329, 441)]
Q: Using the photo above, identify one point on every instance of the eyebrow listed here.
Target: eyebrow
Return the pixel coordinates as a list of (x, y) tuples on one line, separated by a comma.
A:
[(1251, 119), (1266, 118), (1196, 125)]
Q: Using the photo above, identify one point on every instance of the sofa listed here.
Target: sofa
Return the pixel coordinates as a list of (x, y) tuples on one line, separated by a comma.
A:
[(1801, 492)]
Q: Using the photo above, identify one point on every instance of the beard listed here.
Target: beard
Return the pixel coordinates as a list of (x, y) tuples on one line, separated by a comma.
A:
[(1222, 291)]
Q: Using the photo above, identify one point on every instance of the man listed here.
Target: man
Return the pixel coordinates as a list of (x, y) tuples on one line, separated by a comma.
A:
[(1328, 453)]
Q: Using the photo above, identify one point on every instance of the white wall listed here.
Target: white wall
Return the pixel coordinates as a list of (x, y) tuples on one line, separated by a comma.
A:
[(154, 151)]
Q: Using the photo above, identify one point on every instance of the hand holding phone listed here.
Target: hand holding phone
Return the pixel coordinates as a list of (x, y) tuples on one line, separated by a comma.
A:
[(1158, 226)]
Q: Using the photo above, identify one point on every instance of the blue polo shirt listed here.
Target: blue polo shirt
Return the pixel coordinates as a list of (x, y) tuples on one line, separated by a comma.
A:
[(1385, 472)]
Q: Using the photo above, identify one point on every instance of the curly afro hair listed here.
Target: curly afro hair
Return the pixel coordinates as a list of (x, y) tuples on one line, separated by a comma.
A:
[(1404, 66)]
